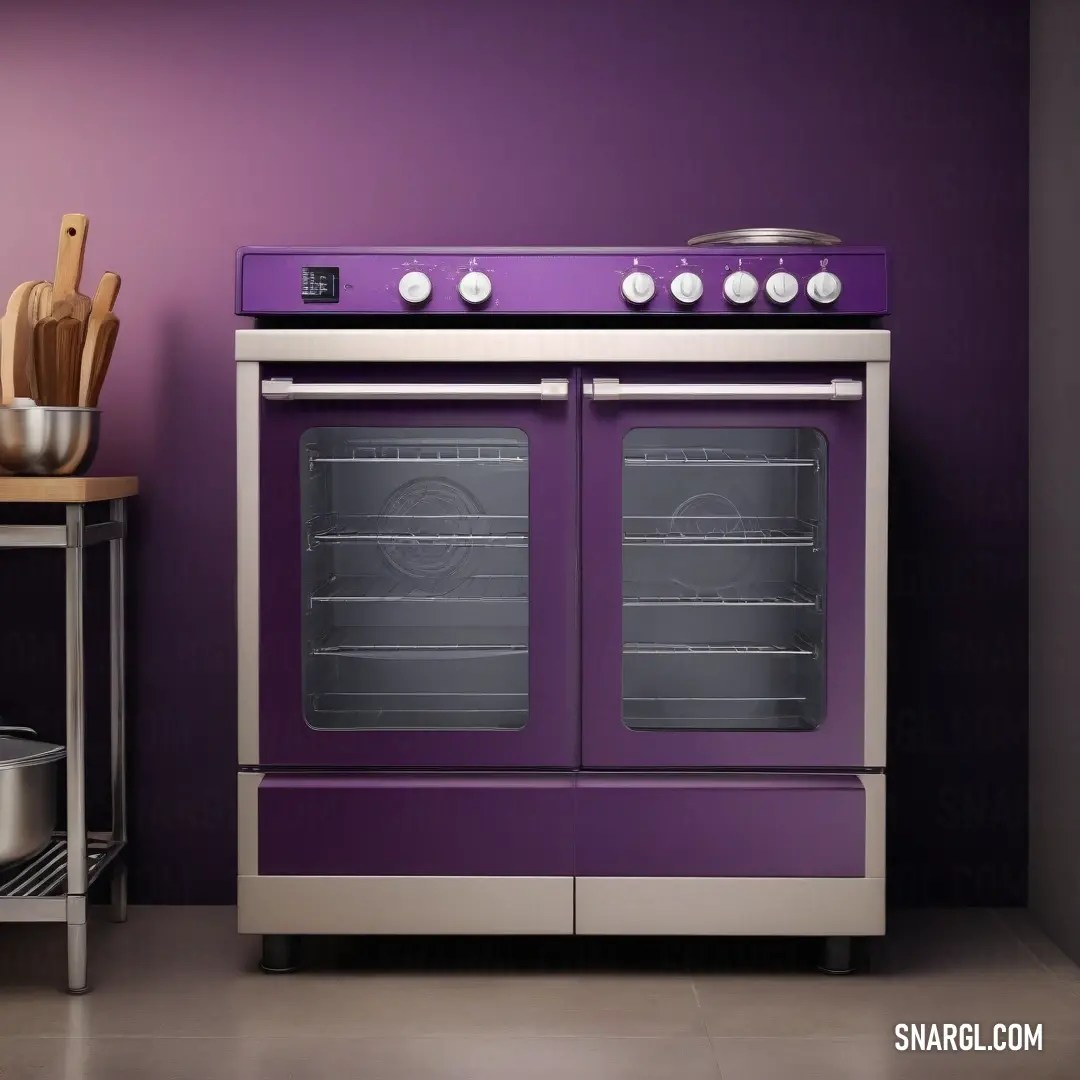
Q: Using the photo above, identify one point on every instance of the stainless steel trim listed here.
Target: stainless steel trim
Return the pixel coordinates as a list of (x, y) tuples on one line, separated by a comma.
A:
[(117, 696), (876, 579), (614, 390), (76, 741), (76, 909), (58, 536), (33, 909), (874, 786), (566, 346), (247, 823), (544, 390), (755, 907), (247, 561), (405, 905), (33, 536)]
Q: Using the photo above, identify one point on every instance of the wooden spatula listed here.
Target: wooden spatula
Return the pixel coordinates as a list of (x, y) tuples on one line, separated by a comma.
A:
[(45, 362), (106, 341), (104, 298), (15, 346)]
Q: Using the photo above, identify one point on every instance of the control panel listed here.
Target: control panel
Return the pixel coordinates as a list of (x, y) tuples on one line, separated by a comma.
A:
[(557, 281)]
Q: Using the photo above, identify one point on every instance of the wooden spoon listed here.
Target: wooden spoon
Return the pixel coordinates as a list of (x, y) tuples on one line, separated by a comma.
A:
[(104, 299), (106, 342), (15, 341)]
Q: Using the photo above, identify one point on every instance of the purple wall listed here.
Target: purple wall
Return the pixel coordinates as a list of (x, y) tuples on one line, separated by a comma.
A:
[(192, 130)]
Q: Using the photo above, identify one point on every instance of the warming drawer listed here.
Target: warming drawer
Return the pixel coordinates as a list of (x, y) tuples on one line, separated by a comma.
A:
[(463, 826), (734, 826)]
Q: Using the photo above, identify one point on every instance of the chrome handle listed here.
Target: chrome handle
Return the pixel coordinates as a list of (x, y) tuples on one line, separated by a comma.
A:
[(613, 390), (544, 390)]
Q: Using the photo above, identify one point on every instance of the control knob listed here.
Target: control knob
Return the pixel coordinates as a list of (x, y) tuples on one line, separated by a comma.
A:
[(823, 288), (740, 287), (415, 287), (638, 288), (687, 288), (782, 287), (475, 287)]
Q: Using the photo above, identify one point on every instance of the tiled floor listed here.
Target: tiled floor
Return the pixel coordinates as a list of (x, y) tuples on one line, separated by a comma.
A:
[(177, 996)]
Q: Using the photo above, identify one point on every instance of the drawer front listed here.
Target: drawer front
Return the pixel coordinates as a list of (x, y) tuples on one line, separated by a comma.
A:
[(460, 826), (739, 826)]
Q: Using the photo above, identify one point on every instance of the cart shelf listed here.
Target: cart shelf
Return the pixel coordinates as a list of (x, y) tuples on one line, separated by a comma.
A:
[(41, 883)]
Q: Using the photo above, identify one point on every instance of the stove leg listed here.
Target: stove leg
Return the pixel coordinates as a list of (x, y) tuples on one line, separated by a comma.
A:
[(279, 953), (837, 956)]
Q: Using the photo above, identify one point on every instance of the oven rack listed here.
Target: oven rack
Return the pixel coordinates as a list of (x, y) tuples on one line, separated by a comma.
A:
[(427, 711), (698, 713), (432, 643), (453, 530), (514, 454), (800, 645), (704, 455), (412, 701), (376, 588), (678, 594), (718, 531)]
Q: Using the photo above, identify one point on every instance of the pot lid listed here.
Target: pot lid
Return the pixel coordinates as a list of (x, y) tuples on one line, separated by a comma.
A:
[(15, 752), (783, 237)]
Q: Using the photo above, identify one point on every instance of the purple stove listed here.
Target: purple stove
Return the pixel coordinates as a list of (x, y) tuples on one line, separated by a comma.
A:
[(561, 592)]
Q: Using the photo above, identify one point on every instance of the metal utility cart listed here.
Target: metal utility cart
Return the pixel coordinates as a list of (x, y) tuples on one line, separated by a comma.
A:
[(53, 886)]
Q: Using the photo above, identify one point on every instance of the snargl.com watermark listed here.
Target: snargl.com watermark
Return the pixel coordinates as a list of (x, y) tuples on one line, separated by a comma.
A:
[(1001, 1038)]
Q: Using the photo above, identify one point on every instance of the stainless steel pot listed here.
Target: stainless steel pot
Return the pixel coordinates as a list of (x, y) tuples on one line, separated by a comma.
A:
[(27, 794)]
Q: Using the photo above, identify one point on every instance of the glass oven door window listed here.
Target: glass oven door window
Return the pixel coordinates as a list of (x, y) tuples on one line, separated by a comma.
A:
[(415, 586), (724, 579)]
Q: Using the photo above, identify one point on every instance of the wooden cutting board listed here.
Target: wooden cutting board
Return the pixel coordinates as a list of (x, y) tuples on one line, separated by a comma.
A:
[(71, 249), (16, 333), (69, 261)]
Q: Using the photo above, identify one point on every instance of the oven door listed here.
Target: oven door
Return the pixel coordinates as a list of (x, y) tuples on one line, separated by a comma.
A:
[(723, 566), (418, 586)]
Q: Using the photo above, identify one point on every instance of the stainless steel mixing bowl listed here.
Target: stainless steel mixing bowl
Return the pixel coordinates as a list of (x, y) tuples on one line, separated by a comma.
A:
[(47, 440)]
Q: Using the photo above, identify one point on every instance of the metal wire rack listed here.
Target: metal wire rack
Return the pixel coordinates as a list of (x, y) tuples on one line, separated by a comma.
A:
[(716, 713), (45, 876), (704, 455), (799, 646), (434, 703), (465, 530), (443, 454), (714, 531), (435, 643), (372, 588), (678, 593)]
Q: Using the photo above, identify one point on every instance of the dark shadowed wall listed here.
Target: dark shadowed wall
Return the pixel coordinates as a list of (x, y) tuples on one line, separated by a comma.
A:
[(186, 130)]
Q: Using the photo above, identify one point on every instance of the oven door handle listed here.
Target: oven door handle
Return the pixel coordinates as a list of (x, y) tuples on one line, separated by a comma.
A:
[(613, 390), (544, 390)]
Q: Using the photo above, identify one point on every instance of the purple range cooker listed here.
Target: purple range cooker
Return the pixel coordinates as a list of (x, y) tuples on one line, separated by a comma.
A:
[(561, 592)]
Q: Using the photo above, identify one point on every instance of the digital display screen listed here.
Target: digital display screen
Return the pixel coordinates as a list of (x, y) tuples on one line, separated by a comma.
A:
[(320, 284)]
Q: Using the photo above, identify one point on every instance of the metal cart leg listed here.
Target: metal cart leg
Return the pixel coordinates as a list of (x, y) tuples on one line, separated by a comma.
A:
[(118, 740), (76, 752)]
